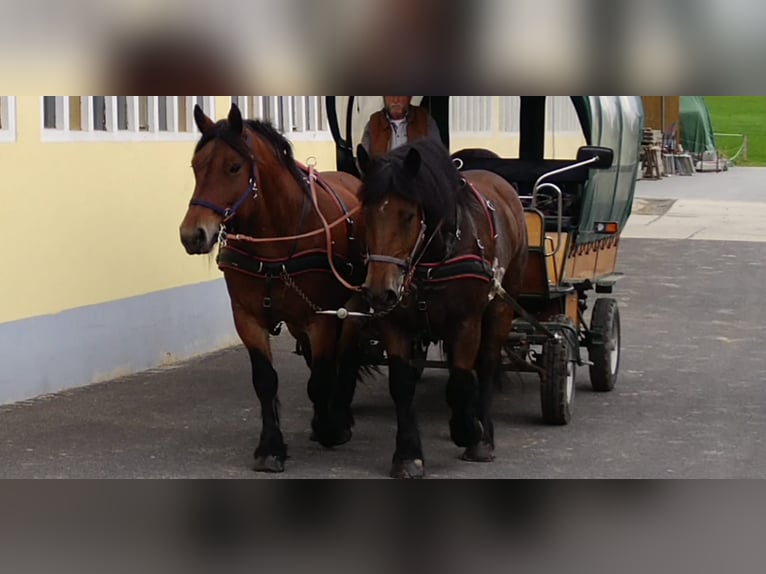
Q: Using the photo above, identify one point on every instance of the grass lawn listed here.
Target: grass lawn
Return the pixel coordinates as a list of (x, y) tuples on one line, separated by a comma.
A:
[(740, 115)]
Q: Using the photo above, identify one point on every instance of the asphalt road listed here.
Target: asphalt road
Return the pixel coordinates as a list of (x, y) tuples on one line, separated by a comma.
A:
[(690, 403)]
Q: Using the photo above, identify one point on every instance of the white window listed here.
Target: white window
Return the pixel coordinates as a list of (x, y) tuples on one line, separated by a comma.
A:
[(298, 117), (250, 106), (122, 118), (561, 116), (7, 118), (471, 114), (563, 131), (510, 114)]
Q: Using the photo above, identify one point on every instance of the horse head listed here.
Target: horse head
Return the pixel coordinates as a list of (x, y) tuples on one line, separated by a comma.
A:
[(225, 177), (409, 199)]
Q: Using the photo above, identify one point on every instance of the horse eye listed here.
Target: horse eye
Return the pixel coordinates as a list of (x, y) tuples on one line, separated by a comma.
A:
[(235, 169), (410, 218)]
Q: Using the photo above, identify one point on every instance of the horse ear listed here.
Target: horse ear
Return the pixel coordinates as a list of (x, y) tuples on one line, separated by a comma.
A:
[(363, 157), (412, 163), (236, 123), (204, 123)]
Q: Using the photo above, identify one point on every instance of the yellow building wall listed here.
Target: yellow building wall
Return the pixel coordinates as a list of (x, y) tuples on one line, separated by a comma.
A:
[(92, 222)]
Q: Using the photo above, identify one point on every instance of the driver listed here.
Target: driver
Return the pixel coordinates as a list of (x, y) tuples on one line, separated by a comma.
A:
[(397, 124)]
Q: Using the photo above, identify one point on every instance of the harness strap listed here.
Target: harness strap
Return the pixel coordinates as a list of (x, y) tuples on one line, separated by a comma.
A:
[(268, 307), (390, 260), (489, 209), (350, 224), (301, 263), (459, 268)]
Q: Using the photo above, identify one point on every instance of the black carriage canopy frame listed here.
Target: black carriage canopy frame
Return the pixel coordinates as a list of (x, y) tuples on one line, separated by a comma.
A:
[(608, 124)]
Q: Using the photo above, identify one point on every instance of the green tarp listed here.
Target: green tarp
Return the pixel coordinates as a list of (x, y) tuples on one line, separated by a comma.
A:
[(696, 125)]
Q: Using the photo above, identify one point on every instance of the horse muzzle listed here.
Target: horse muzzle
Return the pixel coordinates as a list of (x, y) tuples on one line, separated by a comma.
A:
[(381, 300), (198, 240)]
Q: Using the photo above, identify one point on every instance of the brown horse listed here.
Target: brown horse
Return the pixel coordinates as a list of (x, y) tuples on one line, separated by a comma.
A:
[(440, 243), (250, 190)]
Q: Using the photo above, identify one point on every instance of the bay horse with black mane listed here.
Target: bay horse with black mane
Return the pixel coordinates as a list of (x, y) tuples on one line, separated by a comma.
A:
[(277, 253), (440, 245)]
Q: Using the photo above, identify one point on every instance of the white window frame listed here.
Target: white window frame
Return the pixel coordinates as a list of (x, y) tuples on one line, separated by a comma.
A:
[(63, 132), (305, 121), (510, 115), (473, 117), (561, 121), (8, 123), (561, 116), (250, 106)]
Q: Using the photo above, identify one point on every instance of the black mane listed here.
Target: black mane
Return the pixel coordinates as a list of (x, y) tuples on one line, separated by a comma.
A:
[(438, 186), (281, 146)]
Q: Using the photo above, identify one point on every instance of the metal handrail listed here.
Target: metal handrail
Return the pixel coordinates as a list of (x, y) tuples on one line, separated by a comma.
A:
[(541, 184), (559, 218)]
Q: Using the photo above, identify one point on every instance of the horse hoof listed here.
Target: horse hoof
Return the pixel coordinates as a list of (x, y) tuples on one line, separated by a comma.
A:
[(408, 470), (466, 432), (329, 436), (269, 464), (482, 452), (344, 437), (333, 439)]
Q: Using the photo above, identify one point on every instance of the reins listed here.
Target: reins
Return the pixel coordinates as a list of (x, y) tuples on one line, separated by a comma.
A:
[(262, 240), (328, 231)]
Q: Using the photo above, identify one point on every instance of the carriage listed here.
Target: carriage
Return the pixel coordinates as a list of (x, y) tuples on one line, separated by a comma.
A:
[(575, 211), (511, 292)]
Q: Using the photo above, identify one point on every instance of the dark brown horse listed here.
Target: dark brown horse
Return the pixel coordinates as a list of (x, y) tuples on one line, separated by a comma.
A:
[(249, 186), (438, 241)]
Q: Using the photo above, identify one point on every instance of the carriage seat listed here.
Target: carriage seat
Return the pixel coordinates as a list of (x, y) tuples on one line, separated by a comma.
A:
[(523, 174)]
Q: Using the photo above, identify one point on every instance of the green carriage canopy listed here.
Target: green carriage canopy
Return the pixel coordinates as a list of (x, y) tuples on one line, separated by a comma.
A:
[(697, 134)]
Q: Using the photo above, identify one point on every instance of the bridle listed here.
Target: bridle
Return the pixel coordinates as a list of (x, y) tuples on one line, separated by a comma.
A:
[(404, 264), (228, 213), (409, 266)]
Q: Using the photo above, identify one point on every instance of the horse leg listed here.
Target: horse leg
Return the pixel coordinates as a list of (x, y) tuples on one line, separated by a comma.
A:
[(466, 429), (330, 425), (497, 324), (349, 367), (408, 459), (271, 454)]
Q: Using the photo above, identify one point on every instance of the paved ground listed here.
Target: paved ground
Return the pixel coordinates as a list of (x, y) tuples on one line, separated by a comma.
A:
[(725, 206), (691, 401)]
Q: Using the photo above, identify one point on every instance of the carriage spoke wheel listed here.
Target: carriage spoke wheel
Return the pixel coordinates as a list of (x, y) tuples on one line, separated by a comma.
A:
[(557, 390), (605, 345)]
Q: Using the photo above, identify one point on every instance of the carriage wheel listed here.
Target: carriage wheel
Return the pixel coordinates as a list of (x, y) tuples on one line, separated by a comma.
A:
[(605, 345), (558, 385)]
